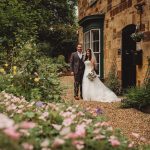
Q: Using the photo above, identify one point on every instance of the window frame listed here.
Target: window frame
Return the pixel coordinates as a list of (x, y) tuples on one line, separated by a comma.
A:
[(91, 45)]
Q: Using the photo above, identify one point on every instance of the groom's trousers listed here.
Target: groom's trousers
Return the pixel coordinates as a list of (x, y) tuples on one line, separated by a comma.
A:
[(78, 83)]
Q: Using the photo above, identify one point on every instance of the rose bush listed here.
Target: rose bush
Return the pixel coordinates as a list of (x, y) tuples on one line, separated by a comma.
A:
[(50, 126)]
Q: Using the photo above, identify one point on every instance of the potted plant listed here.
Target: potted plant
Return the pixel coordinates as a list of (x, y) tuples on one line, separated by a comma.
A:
[(137, 36)]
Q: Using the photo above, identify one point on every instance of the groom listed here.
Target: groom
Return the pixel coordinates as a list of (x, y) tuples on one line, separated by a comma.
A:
[(77, 69)]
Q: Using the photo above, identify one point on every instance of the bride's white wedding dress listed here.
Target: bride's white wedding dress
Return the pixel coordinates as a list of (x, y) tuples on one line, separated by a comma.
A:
[(95, 90)]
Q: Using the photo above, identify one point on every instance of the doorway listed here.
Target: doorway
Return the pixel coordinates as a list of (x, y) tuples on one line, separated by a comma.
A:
[(128, 57)]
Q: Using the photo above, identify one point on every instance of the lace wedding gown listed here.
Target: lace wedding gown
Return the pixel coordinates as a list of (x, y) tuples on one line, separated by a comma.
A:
[(95, 90)]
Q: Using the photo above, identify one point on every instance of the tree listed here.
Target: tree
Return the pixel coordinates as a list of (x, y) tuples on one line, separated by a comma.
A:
[(47, 21), (17, 26)]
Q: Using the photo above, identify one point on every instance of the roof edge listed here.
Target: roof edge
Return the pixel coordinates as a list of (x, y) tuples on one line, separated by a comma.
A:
[(90, 17)]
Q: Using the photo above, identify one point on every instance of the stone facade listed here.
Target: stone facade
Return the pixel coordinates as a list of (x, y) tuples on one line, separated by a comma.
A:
[(118, 15)]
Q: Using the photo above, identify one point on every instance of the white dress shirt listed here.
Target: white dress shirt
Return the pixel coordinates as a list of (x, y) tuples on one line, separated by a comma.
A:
[(79, 54)]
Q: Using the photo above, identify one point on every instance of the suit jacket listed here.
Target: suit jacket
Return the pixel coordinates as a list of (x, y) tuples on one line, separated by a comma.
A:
[(76, 64)]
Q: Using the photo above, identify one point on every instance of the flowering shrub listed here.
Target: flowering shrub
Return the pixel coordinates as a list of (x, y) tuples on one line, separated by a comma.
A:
[(34, 77), (51, 126)]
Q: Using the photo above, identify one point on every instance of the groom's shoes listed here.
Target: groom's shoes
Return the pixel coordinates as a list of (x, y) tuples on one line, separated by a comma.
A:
[(76, 97)]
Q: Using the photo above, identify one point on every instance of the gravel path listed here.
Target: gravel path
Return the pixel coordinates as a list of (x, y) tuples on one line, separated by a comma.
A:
[(128, 120)]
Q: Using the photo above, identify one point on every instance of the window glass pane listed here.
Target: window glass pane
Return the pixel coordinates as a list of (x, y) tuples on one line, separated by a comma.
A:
[(97, 69), (97, 57), (96, 46), (87, 46), (95, 35)]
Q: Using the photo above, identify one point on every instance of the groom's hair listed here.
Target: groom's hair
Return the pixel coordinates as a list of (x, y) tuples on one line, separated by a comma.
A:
[(78, 44)]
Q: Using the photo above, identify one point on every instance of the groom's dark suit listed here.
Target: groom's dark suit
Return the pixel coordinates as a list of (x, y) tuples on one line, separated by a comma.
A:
[(77, 67)]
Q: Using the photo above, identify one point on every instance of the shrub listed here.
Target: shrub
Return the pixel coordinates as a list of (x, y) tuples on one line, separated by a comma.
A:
[(62, 66), (137, 97), (112, 80), (34, 77)]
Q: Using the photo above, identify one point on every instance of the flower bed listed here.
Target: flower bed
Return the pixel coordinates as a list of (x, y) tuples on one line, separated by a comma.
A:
[(46, 126)]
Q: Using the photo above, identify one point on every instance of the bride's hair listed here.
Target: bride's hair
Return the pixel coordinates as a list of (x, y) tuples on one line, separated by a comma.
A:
[(90, 56)]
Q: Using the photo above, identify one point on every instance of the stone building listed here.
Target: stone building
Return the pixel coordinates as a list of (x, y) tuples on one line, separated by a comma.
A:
[(106, 27)]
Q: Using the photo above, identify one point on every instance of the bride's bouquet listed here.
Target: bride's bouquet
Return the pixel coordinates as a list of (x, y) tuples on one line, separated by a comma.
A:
[(92, 75)]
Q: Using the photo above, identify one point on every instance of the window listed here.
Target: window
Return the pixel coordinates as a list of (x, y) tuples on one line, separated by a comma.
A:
[(92, 40)]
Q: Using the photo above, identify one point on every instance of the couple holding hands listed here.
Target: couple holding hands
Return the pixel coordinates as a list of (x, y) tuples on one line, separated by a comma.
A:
[(85, 78)]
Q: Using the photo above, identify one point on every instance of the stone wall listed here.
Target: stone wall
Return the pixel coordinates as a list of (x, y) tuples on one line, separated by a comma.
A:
[(118, 14)]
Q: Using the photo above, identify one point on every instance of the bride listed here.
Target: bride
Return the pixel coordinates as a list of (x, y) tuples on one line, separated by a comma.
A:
[(95, 90)]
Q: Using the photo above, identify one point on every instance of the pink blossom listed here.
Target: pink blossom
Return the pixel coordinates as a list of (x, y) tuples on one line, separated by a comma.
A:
[(78, 144), (5, 122), (71, 135), (45, 143), (96, 131), (110, 128), (142, 139), (80, 113), (65, 131), (73, 116), (67, 122), (11, 107), (45, 114), (98, 124), (99, 137), (131, 145), (21, 106), (114, 142), (27, 125), (80, 130), (57, 142), (19, 111), (57, 127), (24, 132), (27, 146), (12, 133), (87, 121), (79, 147), (66, 114), (105, 124), (135, 134)]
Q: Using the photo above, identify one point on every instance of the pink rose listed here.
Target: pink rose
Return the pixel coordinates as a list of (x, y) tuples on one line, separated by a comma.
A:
[(67, 122), (57, 142), (114, 142), (27, 125), (135, 135), (80, 130), (27, 146), (12, 133)]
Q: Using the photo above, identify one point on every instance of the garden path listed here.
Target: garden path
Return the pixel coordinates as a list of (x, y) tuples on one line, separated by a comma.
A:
[(128, 120)]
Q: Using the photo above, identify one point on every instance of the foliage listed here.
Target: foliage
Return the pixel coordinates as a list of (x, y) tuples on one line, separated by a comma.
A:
[(38, 125), (56, 24), (45, 21), (137, 36), (17, 26), (137, 97), (61, 65), (33, 77), (112, 80)]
